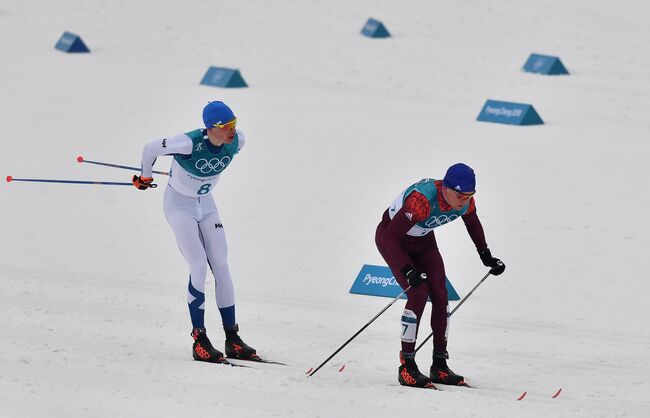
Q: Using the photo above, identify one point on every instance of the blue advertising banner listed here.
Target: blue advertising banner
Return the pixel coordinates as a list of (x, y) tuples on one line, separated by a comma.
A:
[(379, 281), (509, 113)]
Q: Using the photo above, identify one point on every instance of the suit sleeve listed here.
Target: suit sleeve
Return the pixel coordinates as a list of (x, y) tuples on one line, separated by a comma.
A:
[(415, 209), (179, 144), (242, 140), (474, 227)]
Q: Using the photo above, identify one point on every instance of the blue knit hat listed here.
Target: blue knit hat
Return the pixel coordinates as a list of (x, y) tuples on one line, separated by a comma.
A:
[(460, 177), (217, 112)]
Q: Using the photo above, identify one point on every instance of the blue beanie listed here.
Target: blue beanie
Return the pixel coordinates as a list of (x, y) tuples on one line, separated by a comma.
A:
[(216, 112), (460, 177)]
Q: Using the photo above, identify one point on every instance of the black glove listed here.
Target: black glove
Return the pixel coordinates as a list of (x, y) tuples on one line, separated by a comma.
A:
[(413, 276), (496, 266)]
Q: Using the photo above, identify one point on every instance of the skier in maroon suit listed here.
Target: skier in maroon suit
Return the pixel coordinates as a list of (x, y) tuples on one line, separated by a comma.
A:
[(406, 241)]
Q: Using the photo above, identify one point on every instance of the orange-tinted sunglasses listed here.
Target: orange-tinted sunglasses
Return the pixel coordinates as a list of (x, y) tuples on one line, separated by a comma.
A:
[(462, 195)]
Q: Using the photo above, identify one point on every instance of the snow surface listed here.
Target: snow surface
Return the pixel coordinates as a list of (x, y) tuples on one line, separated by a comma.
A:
[(93, 319)]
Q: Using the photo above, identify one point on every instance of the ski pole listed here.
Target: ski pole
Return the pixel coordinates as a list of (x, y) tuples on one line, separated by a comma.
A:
[(358, 332), (104, 183), (456, 307), (81, 159)]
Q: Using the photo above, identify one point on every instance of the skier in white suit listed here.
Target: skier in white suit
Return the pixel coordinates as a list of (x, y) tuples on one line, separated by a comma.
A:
[(199, 158)]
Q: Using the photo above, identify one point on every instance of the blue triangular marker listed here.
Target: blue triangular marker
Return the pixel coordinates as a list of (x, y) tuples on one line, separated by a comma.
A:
[(379, 281), (70, 42), (375, 29)]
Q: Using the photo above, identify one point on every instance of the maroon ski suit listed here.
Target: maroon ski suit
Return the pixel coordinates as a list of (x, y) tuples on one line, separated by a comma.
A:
[(400, 250)]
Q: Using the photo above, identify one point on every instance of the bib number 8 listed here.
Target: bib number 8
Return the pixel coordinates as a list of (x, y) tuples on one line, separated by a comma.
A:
[(205, 189)]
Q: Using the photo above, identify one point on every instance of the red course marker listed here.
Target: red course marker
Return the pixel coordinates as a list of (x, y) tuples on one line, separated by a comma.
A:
[(80, 159), (341, 369), (9, 178), (309, 371), (557, 393), (522, 396)]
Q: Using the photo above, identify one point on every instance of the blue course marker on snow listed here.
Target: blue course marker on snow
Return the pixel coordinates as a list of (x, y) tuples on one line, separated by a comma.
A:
[(379, 281), (509, 113), (544, 64), (70, 42), (223, 77), (375, 29)]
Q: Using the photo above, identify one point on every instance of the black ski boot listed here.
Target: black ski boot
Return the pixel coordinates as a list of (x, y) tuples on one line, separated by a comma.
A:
[(441, 373), (236, 348), (202, 350), (409, 375)]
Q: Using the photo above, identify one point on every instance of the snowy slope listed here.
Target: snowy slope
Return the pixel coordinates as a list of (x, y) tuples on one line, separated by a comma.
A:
[(93, 319)]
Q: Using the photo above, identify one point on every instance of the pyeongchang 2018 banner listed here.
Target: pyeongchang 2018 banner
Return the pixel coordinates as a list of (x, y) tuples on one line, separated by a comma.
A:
[(379, 281)]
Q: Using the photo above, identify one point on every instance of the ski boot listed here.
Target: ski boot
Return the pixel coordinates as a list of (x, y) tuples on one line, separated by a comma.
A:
[(408, 373), (441, 373), (202, 350), (236, 348)]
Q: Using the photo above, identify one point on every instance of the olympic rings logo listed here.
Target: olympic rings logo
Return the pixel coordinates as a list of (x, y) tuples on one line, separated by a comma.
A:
[(440, 220), (215, 164)]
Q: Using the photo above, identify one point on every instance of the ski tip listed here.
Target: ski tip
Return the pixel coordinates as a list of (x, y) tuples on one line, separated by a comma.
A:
[(80, 159), (557, 393), (342, 368), (309, 371), (522, 396), (9, 178)]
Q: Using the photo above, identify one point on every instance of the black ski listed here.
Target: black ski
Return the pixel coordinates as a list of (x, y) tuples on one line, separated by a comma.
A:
[(461, 385), (259, 360), (236, 365), (225, 362), (432, 387)]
